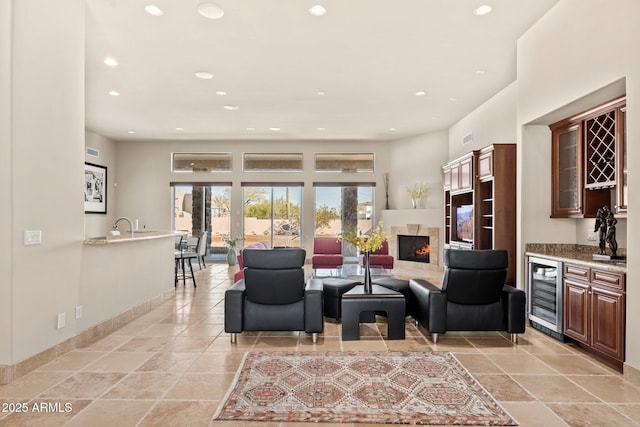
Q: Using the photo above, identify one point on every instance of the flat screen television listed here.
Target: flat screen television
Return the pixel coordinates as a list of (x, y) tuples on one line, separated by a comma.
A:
[(464, 223)]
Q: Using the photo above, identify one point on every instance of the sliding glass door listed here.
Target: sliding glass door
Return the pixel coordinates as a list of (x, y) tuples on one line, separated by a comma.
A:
[(272, 212), (341, 206), (199, 208)]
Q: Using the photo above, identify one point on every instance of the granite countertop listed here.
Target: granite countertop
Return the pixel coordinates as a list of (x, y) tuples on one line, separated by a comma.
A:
[(577, 254), (125, 237)]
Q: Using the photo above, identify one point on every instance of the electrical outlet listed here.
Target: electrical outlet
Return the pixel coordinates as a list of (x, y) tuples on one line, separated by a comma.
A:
[(62, 320), (32, 237), (78, 311), (591, 237)]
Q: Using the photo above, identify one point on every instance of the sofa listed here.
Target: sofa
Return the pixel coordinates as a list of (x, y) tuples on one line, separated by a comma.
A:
[(263, 244)]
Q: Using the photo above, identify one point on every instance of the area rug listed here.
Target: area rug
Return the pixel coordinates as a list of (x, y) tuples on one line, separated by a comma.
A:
[(398, 387)]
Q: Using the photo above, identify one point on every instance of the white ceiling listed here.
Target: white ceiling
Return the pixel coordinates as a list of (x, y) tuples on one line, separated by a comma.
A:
[(272, 57)]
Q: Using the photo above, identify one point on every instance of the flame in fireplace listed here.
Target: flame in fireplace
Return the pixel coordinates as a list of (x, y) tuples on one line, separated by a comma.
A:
[(424, 250)]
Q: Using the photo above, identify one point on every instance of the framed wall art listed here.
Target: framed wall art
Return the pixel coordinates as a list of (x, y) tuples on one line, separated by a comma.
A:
[(95, 188)]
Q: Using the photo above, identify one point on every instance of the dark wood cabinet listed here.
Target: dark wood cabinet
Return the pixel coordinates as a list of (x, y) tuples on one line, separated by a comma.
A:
[(486, 180), (566, 171), (594, 310), (446, 170), (621, 173), (576, 303), (588, 155)]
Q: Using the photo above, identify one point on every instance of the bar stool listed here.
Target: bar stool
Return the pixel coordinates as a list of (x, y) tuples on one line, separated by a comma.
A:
[(183, 257)]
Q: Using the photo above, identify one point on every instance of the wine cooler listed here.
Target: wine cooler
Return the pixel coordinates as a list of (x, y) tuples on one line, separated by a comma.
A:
[(545, 295)]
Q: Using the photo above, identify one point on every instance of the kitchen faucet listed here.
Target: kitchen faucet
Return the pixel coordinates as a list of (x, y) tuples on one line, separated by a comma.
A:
[(126, 219)]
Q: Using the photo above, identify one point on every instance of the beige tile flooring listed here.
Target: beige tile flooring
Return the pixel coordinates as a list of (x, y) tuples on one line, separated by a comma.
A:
[(172, 366)]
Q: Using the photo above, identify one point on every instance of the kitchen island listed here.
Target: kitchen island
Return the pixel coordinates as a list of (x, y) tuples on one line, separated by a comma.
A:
[(123, 277)]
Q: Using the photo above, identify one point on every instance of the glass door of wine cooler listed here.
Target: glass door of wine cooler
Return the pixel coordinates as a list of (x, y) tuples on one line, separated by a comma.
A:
[(544, 284)]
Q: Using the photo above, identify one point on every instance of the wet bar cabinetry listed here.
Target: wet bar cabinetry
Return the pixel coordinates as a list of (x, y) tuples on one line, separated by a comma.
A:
[(486, 180), (594, 310), (590, 305), (589, 162)]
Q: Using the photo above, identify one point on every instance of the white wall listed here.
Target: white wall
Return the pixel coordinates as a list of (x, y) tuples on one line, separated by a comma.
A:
[(416, 159), (574, 51), (493, 122), (534, 194), (6, 258), (45, 113)]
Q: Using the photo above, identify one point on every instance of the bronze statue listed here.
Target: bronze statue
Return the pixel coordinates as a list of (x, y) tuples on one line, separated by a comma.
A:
[(601, 228), (611, 234), (606, 227)]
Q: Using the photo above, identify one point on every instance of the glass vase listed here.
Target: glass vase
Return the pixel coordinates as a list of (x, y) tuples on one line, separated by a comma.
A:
[(367, 274), (232, 256)]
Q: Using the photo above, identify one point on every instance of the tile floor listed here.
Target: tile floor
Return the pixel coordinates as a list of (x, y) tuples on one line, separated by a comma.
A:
[(172, 366)]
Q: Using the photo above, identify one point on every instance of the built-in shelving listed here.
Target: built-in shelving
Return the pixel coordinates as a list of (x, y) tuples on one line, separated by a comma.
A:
[(492, 192)]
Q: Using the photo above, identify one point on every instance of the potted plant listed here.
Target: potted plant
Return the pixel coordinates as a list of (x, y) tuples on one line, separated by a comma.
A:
[(366, 243)]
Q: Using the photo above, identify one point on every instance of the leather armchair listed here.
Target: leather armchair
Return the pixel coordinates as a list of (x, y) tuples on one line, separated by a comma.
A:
[(273, 295), (473, 296), (263, 244)]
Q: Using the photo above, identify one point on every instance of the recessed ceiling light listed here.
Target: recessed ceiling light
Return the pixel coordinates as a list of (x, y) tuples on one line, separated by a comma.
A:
[(221, 93), (321, 93), (231, 107), (274, 129), (392, 129), (210, 10), (481, 72), (131, 132), (318, 10), (179, 128), (482, 10), (251, 129), (114, 93), (111, 61), (421, 93), (154, 10), (204, 75), (321, 129)]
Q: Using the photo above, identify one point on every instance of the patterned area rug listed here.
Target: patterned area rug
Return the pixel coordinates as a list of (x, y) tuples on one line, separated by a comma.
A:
[(351, 387)]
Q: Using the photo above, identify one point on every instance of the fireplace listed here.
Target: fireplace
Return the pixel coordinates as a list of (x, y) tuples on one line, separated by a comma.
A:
[(413, 248), (423, 231)]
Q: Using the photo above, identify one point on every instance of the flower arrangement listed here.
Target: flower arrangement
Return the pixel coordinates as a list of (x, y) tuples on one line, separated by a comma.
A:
[(364, 242), (417, 191), (232, 242)]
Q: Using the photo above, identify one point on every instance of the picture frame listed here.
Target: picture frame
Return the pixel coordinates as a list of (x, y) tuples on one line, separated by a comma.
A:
[(95, 188)]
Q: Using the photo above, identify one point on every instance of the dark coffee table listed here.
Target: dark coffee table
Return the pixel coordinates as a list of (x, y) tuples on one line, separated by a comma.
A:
[(357, 301)]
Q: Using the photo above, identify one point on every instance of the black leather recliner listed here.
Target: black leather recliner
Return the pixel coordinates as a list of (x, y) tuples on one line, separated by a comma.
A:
[(473, 296), (273, 295)]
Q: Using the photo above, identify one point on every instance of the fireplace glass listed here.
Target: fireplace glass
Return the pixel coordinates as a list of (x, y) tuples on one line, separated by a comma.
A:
[(414, 248)]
